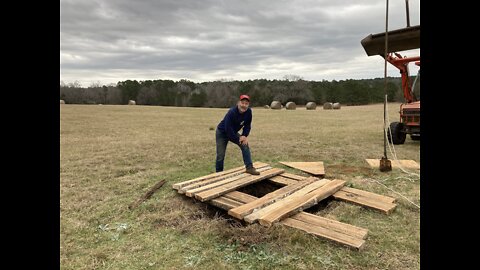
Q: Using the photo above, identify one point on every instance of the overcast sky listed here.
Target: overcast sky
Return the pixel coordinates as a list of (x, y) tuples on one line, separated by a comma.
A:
[(108, 41)]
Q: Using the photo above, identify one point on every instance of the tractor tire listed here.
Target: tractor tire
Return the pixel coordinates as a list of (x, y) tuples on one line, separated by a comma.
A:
[(415, 137), (398, 135)]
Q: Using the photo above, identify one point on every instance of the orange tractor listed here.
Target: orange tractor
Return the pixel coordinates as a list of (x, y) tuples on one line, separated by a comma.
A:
[(400, 40)]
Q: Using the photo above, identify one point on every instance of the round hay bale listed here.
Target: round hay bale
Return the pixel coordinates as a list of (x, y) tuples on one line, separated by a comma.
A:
[(266, 107), (275, 105), (291, 105), (327, 106), (311, 106), (336, 106), (132, 102), (62, 101)]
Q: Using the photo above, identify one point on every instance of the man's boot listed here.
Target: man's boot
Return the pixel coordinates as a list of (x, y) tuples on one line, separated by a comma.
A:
[(252, 171)]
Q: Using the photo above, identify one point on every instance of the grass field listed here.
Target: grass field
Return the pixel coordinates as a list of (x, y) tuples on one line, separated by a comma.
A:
[(111, 155)]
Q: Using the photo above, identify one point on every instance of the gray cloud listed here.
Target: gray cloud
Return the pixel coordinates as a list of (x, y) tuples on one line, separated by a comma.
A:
[(113, 40)]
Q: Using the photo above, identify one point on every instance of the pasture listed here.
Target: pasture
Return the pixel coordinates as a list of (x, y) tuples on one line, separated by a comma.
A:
[(111, 155)]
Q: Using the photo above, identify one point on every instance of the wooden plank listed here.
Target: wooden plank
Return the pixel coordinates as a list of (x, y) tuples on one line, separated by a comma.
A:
[(220, 190), (233, 171), (245, 209), (218, 179), (286, 179), (190, 190), (225, 203), (324, 224), (291, 205), (240, 196), (338, 237), (255, 215), (404, 163), (283, 181), (315, 168), (386, 208), (368, 194), (147, 195), (293, 176), (217, 174), (227, 177), (307, 217), (331, 224)]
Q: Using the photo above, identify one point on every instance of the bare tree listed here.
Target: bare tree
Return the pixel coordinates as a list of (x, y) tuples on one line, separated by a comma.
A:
[(75, 84), (114, 95), (95, 84), (147, 96), (292, 77)]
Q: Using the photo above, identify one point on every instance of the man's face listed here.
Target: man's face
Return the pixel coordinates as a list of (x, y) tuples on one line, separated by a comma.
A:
[(243, 105)]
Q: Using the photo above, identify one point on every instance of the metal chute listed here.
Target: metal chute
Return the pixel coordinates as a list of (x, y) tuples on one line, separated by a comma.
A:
[(403, 39)]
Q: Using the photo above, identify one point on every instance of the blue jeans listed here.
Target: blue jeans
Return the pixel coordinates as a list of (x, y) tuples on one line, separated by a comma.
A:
[(222, 141)]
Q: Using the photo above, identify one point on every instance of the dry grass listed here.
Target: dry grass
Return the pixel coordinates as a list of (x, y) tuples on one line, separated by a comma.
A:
[(111, 155)]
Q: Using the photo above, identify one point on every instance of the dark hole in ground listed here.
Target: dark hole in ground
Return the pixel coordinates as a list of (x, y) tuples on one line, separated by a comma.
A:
[(319, 206), (260, 189), (196, 210)]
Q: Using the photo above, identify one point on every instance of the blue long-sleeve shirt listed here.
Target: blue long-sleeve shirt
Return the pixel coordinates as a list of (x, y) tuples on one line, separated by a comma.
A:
[(234, 121)]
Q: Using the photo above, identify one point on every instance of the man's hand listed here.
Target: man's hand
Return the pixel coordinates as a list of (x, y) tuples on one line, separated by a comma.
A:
[(243, 140)]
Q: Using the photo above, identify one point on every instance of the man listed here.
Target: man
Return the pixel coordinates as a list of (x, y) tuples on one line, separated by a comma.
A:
[(237, 117)]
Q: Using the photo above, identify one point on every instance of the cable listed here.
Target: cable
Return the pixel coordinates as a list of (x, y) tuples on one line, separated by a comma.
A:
[(394, 153), (394, 192), (386, 122)]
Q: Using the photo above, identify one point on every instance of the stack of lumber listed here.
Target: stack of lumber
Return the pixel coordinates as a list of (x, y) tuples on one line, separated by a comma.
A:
[(339, 232), (286, 204), (360, 197), (216, 184)]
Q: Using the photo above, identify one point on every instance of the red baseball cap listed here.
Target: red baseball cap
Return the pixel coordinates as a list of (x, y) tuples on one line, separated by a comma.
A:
[(245, 97)]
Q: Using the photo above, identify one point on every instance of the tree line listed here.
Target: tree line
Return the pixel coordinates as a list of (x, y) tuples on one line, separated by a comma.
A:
[(223, 94)]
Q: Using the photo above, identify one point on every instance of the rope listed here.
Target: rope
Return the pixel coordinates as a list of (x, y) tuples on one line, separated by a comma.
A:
[(386, 122), (394, 191), (394, 153), (385, 86)]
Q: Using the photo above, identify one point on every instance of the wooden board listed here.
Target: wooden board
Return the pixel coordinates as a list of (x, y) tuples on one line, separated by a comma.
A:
[(245, 209), (282, 181), (243, 198), (291, 205), (373, 196), (253, 217), (219, 179), (225, 203), (336, 231), (341, 238), (386, 208), (217, 174), (331, 224), (190, 190), (404, 163), (220, 190), (293, 176), (315, 168), (240, 196), (286, 205)]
